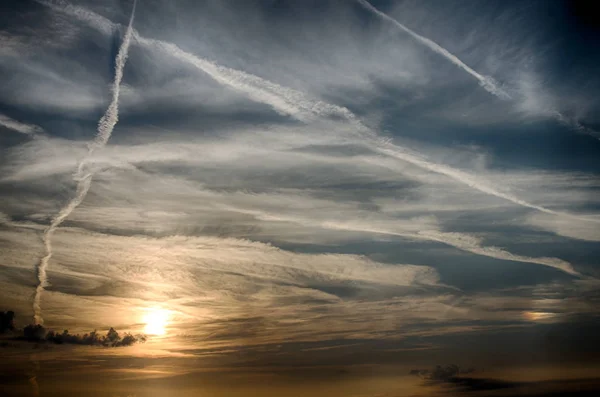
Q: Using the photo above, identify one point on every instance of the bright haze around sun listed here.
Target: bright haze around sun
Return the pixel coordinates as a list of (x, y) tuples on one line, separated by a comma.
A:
[(300, 197)]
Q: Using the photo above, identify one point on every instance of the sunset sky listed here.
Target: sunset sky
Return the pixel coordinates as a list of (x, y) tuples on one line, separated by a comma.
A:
[(301, 197)]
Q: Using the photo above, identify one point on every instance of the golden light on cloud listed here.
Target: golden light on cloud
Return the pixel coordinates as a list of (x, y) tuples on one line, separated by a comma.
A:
[(156, 320), (538, 316)]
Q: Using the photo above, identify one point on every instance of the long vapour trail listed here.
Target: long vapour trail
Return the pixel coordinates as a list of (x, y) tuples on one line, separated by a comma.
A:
[(14, 125), (461, 241), (487, 82), (106, 125), (300, 106)]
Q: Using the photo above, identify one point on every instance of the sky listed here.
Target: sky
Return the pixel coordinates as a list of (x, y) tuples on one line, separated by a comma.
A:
[(301, 196)]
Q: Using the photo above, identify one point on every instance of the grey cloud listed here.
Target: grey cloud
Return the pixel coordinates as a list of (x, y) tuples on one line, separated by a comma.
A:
[(39, 334)]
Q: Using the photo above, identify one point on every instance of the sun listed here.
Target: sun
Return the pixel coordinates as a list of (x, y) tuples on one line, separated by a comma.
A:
[(156, 320)]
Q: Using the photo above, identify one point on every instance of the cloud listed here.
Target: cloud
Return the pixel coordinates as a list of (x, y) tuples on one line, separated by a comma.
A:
[(231, 277), (473, 244), (7, 321), (14, 125), (488, 83), (270, 207), (295, 103), (565, 227), (106, 124), (440, 373), (283, 99), (46, 83), (334, 193), (37, 333), (427, 231), (203, 279), (461, 385)]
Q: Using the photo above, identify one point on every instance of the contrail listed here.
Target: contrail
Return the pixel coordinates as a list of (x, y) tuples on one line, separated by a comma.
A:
[(304, 108), (14, 125), (284, 100), (469, 180), (106, 125), (487, 82), (461, 241)]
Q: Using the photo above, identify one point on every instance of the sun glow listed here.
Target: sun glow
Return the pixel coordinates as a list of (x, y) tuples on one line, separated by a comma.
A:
[(156, 320)]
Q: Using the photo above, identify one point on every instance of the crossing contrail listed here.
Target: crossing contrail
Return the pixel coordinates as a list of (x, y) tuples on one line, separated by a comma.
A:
[(304, 108), (106, 125)]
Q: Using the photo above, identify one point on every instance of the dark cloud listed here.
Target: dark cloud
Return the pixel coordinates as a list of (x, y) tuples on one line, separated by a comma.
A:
[(37, 333), (441, 373), (546, 388), (453, 380), (40, 334), (7, 321)]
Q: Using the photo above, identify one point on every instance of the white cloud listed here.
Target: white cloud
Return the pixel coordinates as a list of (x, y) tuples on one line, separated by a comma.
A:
[(565, 227)]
